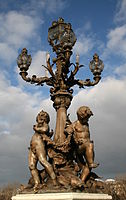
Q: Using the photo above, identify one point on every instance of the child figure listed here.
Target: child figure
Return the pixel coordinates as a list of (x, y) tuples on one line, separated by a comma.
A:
[(37, 150), (79, 131)]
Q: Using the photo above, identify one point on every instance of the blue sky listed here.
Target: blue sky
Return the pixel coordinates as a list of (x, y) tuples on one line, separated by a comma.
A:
[(100, 26)]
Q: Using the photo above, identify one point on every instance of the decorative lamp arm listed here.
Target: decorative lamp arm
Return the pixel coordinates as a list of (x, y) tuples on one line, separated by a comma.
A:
[(24, 61), (49, 68), (34, 79), (88, 82), (76, 69), (24, 76), (96, 66)]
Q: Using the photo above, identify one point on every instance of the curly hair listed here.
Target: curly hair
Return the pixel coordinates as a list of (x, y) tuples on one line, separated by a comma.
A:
[(43, 115), (84, 111)]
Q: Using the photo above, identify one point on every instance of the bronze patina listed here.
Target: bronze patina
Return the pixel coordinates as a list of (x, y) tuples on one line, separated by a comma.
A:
[(68, 157)]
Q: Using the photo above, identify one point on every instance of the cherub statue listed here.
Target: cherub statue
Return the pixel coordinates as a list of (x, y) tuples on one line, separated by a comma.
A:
[(79, 132), (37, 150)]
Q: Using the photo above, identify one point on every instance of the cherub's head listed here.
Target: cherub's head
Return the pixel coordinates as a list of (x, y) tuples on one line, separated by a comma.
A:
[(84, 113), (43, 117)]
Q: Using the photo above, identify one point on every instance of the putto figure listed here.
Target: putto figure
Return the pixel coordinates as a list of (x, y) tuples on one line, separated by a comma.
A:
[(37, 150), (79, 131)]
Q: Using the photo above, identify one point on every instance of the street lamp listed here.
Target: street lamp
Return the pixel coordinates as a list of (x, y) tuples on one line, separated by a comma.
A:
[(62, 39)]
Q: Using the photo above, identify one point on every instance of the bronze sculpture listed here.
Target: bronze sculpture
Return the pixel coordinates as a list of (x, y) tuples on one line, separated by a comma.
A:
[(37, 151), (65, 166), (79, 130)]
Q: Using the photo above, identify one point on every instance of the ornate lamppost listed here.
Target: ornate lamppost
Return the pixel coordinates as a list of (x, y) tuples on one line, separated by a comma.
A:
[(62, 39)]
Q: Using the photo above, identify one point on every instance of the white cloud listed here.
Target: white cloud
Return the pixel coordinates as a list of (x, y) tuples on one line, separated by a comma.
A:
[(116, 43), (121, 70), (17, 110), (36, 8), (56, 5), (84, 44), (86, 40), (17, 28), (116, 37), (38, 60), (7, 53), (17, 31), (120, 15)]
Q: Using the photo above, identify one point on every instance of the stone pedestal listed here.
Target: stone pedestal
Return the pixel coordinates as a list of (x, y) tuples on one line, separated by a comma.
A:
[(62, 196)]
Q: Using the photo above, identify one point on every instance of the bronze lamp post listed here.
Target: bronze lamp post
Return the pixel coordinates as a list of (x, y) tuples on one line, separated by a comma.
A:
[(61, 80), (62, 39)]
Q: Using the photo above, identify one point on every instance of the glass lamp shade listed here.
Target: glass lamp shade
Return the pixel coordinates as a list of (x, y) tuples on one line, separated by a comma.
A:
[(96, 65), (24, 60), (61, 35)]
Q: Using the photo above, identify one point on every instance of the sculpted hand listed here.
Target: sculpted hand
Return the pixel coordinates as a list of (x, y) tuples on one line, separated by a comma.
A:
[(35, 127)]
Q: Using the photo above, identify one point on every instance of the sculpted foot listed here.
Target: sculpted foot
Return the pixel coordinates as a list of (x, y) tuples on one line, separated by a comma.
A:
[(37, 187), (55, 183)]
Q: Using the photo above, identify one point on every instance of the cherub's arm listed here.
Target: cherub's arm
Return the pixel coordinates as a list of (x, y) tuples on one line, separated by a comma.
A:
[(44, 131), (47, 139), (69, 132), (41, 128)]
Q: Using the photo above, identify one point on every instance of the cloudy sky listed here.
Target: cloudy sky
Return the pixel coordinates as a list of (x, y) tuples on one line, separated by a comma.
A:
[(100, 26)]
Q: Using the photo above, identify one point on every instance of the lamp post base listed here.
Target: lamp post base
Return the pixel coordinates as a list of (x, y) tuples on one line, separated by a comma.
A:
[(62, 196)]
